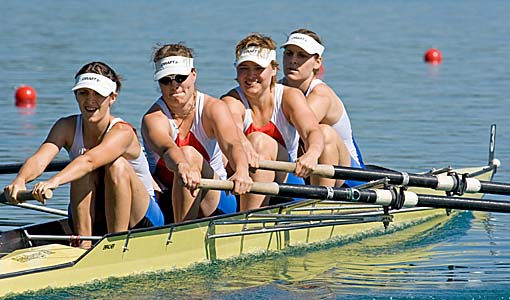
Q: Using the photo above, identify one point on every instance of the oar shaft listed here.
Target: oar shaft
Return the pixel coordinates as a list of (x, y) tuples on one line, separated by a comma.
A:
[(47, 237), (41, 208), (380, 197), (495, 188), (14, 168), (464, 203), (441, 182)]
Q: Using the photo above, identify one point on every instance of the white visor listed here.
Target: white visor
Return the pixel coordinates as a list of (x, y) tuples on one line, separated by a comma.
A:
[(173, 65), (261, 56), (305, 42), (99, 83)]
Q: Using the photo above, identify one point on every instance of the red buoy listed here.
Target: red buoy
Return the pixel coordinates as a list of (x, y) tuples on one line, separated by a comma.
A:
[(433, 56), (25, 96)]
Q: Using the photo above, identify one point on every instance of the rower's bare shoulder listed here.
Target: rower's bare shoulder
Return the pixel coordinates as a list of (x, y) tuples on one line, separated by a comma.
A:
[(231, 96), (323, 91)]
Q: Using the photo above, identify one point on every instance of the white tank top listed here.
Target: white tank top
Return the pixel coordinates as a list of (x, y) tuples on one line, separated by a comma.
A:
[(342, 126), (213, 152), (139, 164), (287, 131)]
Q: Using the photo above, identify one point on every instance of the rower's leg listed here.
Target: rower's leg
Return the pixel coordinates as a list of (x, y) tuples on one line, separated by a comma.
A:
[(268, 149), (335, 153), (185, 205), (126, 198), (83, 195)]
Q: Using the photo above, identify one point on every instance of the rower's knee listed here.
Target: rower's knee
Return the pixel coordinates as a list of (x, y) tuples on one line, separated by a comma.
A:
[(118, 170), (192, 155), (264, 145), (329, 133)]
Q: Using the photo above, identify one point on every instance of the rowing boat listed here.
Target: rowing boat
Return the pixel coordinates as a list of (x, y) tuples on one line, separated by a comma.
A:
[(38, 256), (34, 257)]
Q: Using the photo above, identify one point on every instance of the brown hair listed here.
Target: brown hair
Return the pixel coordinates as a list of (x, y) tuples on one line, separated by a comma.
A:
[(260, 41), (309, 33), (172, 50), (102, 69)]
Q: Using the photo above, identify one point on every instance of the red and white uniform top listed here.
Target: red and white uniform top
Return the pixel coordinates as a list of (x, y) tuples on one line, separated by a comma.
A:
[(279, 128), (196, 137)]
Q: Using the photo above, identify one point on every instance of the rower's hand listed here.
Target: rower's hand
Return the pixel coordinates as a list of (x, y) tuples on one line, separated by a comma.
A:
[(242, 182), (305, 165), (189, 177), (11, 191), (252, 155), (41, 188)]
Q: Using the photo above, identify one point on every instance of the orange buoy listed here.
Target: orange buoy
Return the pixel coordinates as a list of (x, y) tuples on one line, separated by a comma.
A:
[(25, 96), (433, 56)]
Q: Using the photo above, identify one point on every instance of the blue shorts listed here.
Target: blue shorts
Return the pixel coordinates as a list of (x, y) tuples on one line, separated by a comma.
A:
[(154, 214), (227, 204), (153, 217), (293, 179), (353, 183)]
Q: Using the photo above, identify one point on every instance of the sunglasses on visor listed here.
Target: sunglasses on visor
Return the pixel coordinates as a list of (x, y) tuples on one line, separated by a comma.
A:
[(177, 77)]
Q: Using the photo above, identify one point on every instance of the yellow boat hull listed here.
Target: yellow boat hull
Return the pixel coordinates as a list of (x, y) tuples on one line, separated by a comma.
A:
[(183, 245)]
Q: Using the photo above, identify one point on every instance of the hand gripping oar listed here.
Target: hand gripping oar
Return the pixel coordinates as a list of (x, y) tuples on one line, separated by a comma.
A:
[(392, 198), (450, 182), (25, 195)]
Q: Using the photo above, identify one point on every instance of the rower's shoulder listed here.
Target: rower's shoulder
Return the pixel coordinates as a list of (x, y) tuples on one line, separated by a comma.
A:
[(291, 91), (66, 122), (324, 91), (231, 95)]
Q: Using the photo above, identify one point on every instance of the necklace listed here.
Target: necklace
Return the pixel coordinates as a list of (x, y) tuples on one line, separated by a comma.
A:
[(185, 115)]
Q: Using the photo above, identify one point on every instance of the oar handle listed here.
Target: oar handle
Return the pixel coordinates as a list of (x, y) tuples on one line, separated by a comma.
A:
[(267, 188), (25, 195), (285, 166)]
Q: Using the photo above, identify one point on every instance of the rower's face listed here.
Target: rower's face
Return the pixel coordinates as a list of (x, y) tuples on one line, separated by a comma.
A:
[(93, 104), (250, 75), (176, 90), (298, 64)]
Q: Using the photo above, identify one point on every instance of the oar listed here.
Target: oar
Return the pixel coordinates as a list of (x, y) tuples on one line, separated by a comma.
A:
[(391, 198), (25, 195), (40, 208), (14, 168), (457, 183)]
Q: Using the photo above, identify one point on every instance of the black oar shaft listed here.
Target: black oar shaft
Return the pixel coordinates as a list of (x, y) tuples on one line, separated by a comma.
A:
[(370, 196), (381, 197), (14, 168), (494, 188), (451, 182), (419, 180), (463, 203)]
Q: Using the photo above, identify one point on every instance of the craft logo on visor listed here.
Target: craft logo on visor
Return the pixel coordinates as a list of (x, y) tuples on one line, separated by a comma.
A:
[(261, 56), (173, 65), (305, 42), (99, 83)]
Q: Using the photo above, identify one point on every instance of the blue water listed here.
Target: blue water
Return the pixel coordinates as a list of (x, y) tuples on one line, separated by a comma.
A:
[(405, 114)]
